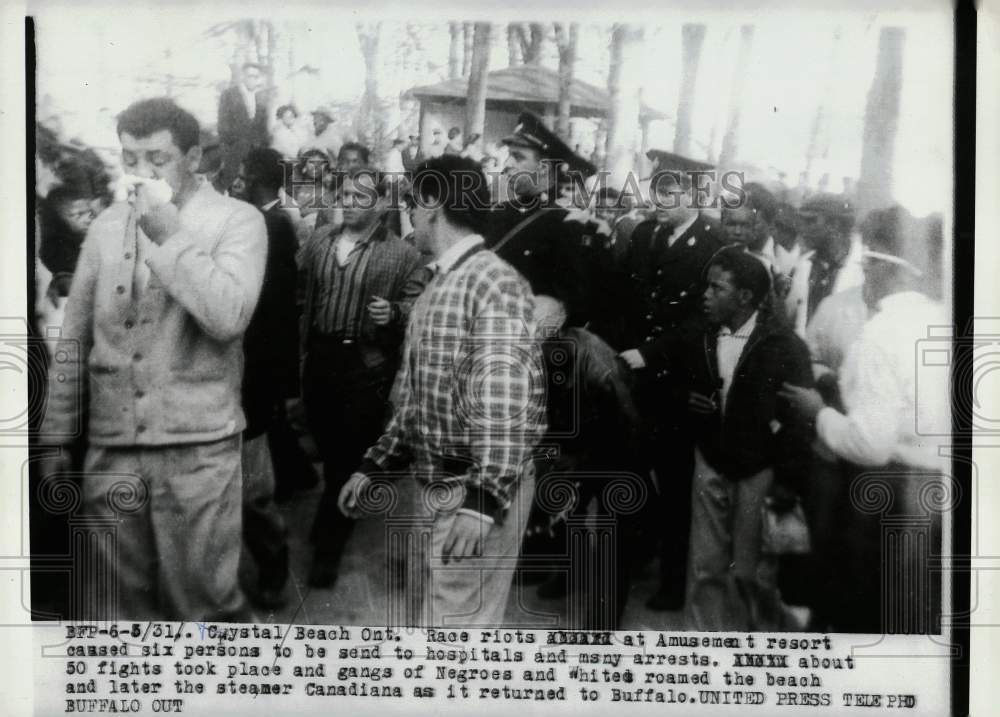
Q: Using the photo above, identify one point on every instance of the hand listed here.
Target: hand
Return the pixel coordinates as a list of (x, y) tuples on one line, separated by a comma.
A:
[(464, 539), (380, 310), (348, 500), (700, 403), (633, 358), (805, 402), (159, 223)]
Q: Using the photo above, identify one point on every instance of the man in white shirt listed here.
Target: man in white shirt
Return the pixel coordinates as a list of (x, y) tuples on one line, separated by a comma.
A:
[(887, 400), (831, 262)]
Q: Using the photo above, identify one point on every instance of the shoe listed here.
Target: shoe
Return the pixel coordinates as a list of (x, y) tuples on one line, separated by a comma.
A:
[(554, 587), (323, 574), (664, 600)]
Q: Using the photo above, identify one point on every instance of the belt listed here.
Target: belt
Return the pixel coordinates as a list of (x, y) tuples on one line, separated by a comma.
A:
[(334, 340)]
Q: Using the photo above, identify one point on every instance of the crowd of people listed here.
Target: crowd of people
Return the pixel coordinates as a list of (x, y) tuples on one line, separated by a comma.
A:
[(708, 376)]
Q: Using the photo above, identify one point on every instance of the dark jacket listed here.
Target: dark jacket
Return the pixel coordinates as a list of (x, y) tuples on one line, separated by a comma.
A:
[(667, 281), (592, 417), (560, 258), (238, 132), (758, 430), (271, 342), (236, 126)]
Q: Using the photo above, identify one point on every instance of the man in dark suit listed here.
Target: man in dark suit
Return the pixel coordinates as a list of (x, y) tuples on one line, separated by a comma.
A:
[(242, 121), (270, 376), (750, 443), (666, 262)]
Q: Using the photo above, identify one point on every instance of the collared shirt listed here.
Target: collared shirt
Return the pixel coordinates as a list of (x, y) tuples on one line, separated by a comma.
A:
[(798, 302), (340, 301), (471, 387), (681, 228), (249, 100), (730, 348), (443, 264), (897, 399)]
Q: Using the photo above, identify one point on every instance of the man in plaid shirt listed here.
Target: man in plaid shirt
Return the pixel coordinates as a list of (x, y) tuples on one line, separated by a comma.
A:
[(469, 403)]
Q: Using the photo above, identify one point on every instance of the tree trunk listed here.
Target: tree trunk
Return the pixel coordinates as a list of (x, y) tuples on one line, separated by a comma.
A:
[(623, 85), (454, 50), (818, 133), (468, 36), (692, 38), (369, 132), (513, 46), (532, 42), (881, 122), (475, 102), (731, 140), (566, 42)]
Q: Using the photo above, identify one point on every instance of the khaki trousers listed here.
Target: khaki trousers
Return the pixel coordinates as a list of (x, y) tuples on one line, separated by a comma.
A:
[(730, 587), (474, 591), (174, 548)]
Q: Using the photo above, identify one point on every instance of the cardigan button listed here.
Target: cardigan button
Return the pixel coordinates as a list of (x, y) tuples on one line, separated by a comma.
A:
[(120, 289)]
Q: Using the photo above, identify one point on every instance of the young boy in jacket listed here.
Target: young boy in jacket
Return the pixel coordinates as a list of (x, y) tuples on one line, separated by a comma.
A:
[(748, 441)]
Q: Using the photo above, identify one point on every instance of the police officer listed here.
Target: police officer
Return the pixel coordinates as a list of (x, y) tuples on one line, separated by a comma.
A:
[(666, 261), (536, 229)]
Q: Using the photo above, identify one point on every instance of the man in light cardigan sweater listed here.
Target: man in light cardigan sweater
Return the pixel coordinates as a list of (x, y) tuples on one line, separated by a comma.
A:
[(162, 295)]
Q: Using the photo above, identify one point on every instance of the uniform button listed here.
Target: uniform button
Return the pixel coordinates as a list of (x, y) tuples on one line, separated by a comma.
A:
[(140, 393), (659, 272), (649, 317), (129, 323), (128, 255), (120, 289), (141, 428), (527, 252), (652, 295), (684, 293), (137, 356)]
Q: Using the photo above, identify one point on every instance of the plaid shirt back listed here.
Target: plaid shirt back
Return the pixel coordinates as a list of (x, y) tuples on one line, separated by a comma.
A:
[(471, 388)]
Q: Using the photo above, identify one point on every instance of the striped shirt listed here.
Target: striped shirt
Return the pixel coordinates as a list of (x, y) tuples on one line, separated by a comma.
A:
[(341, 300), (471, 388)]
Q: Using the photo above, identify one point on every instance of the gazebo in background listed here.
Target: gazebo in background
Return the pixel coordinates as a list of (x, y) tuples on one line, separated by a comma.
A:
[(511, 91)]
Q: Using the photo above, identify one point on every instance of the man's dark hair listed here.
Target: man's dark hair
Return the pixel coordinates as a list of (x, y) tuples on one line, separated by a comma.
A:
[(458, 185), (454, 132), (264, 167), (146, 117), (68, 193), (761, 201), (285, 108), (834, 208), (748, 272), (362, 150)]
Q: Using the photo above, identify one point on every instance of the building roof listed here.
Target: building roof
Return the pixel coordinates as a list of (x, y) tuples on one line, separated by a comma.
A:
[(526, 85)]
